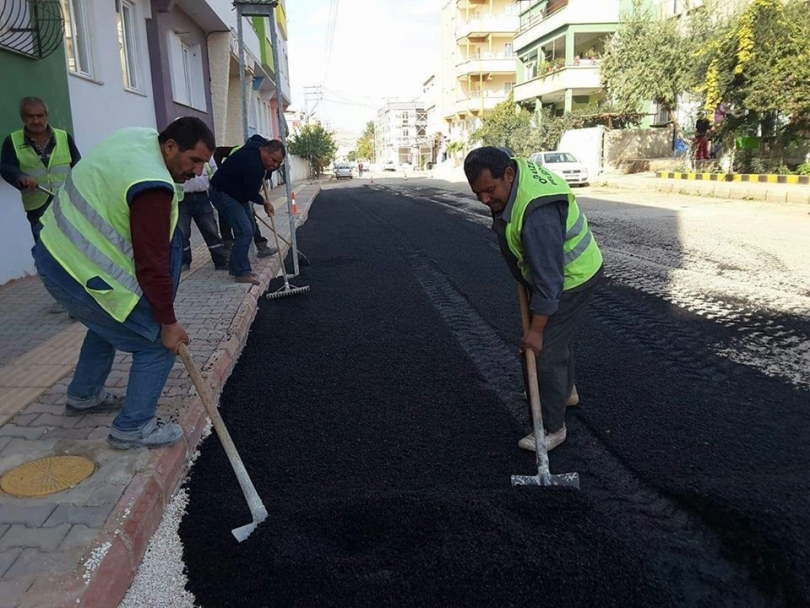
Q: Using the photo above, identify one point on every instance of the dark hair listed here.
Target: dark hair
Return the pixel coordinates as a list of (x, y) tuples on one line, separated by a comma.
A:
[(488, 157), (274, 145), (188, 131), (32, 101)]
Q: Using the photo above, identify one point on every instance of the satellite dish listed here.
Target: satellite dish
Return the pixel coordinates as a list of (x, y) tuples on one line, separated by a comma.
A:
[(33, 28)]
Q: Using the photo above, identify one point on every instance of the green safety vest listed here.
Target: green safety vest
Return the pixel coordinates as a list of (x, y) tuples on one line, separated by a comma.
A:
[(581, 255), (50, 177), (235, 148), (86, 228)]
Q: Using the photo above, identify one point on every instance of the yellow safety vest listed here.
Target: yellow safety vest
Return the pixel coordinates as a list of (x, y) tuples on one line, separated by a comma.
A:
[(50, 177), (86, 228), (581, 255)]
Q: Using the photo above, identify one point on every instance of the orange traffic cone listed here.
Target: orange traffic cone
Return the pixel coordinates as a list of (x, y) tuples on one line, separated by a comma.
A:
[(295, 208)]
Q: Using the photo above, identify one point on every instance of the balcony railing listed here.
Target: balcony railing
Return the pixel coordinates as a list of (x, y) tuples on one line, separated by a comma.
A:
[(553, 7)]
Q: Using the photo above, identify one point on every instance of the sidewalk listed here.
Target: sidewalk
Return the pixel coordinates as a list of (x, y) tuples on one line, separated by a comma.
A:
[(774, 193), (81, 547)]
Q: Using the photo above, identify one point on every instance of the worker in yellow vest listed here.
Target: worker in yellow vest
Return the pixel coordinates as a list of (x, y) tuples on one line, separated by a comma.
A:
[(548, 246), (109, 252), (37, 155)]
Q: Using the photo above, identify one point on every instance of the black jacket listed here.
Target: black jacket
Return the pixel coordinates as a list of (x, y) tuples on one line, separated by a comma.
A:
[(242, 175)]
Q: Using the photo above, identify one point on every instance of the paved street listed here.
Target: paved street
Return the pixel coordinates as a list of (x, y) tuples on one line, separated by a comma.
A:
[(379, 415)]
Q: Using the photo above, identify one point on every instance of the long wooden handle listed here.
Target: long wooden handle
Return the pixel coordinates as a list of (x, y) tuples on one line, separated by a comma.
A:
[(275, 232), (534, 388), (248, 489)]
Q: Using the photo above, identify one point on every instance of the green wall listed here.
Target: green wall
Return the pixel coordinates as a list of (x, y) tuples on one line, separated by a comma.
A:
[(45, 78)]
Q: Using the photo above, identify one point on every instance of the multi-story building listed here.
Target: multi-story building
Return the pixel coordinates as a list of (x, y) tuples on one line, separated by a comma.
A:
[(401, 135), (477, 69), (122, 63), (559, 45)]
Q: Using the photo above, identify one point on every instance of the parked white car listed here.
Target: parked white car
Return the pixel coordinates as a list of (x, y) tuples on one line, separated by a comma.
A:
[(563, 164), (389, 165)]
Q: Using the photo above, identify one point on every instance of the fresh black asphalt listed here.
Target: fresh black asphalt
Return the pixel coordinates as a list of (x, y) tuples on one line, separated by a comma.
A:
[(379, 415)]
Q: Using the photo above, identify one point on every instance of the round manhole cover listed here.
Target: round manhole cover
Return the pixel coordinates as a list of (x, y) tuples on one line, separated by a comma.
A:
[(46, 476)]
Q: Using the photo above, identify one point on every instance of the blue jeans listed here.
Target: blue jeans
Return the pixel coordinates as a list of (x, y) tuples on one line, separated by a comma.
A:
[(151, 363), (238, 216), (139, 335), (198, 206)]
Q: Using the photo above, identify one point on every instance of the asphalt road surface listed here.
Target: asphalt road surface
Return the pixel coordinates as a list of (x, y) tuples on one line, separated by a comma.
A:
[(379, 416)]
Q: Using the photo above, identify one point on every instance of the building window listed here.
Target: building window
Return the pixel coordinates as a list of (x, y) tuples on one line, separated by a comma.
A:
[(127, 42), (185, 63), (77, 40)]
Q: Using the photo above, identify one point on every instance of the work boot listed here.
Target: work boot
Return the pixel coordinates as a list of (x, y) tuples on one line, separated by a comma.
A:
[(264, 251), (110, 403), (552, 440), (248, 278), (56, 309), (153, 435)]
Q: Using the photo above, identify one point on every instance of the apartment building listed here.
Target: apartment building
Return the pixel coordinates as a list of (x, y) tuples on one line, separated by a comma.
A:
[(401, 134), (477, 69), (559, 45), (123, 63)]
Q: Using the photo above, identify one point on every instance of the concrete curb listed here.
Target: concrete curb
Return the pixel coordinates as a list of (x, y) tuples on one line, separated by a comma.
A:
[(107, 568), (760, 178), (713, 189)]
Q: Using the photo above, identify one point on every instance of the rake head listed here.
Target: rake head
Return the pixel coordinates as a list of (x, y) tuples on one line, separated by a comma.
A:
[(242, 532), (570, 480), (285, 291)]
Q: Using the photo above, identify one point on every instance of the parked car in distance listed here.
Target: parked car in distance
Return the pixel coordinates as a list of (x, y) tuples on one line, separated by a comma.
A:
[(563, 164), (389, 165), (343, 171)]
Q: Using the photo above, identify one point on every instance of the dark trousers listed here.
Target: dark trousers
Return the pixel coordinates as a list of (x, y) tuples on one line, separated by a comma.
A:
[(555, 363), (33, 218), (197, 205), (238, 215), (227, 232)]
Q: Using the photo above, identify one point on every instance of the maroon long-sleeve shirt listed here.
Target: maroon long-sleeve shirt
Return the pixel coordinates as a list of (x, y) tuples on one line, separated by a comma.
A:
[(149, 221)]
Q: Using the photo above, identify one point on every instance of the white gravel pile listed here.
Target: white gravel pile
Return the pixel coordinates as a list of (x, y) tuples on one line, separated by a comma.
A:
[(161, 578)]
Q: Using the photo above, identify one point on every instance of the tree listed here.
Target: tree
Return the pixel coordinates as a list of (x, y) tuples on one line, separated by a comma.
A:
[(508, 125), (365, 144), (652, 59), (760, 72), (316, 144), (351, 156)]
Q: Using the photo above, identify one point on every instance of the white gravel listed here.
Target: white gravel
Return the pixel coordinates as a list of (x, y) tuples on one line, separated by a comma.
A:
[(161, 578)]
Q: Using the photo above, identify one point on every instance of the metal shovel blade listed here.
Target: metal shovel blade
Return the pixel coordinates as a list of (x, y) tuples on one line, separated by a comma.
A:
[(570, 480), (243, 532)]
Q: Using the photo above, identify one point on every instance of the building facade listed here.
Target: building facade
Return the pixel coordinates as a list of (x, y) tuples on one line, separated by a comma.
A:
[(559, 45), (401, 134), (122, 63), (477, 68)]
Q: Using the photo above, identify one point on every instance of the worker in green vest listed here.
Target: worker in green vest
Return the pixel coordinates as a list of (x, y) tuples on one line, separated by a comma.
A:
[(37, 155), (549, 247), (109, 252)]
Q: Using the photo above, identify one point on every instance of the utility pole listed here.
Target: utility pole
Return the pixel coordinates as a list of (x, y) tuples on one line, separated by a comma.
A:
[(314, 94)]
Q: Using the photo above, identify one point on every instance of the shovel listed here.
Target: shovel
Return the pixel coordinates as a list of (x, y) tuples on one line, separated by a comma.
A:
[(257, 509), (544, 476)]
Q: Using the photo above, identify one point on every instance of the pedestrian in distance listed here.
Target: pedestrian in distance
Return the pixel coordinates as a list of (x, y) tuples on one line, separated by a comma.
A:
[(196, 204), (546, 242), (109, 251), (37, 155), (702, 128), (236, 187), (263, 249)]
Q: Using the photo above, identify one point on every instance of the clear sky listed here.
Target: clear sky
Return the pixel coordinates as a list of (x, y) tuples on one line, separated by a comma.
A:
[(380, 48)]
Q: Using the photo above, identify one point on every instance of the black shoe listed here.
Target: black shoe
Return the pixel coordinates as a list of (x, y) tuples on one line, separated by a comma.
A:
[(221, 267), (265, 252)]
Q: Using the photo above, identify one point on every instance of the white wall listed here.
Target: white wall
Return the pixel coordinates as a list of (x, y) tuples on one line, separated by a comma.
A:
[(102, 105), (299, 168), (15, 234)]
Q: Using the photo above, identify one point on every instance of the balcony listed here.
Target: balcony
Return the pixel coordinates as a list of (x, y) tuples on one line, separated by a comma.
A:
[(477, 102), (561, 13), (551, 87), (487, 63), (481, 26)]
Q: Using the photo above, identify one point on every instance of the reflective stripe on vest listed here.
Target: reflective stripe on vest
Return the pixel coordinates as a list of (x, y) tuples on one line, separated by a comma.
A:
[(50, 177), (86, 228), (234, 149), (581, 255)]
